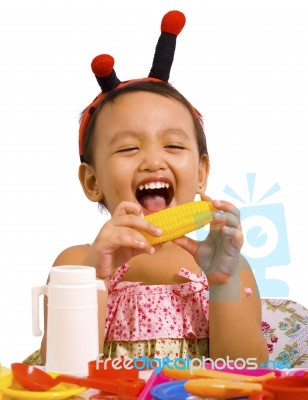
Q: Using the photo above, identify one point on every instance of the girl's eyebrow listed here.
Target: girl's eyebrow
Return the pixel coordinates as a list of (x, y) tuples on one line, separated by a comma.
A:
[(167, 132), (122, 135), (177, 132)]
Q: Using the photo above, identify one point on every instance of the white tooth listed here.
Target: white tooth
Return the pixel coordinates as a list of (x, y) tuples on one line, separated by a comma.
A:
[(154, 185)]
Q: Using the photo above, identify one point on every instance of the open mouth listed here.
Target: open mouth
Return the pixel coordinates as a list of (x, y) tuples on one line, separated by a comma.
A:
[(154, 196)]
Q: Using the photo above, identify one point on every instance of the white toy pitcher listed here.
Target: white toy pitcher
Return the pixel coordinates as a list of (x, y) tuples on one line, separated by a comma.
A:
[(72, 323)]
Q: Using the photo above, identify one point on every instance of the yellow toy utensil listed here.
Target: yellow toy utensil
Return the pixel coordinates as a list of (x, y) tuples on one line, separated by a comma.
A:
[(220, 388), (5, 378), (214, 374), (209, 373)]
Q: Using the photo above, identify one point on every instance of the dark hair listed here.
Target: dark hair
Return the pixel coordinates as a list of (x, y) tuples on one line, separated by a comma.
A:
[(162, 88)]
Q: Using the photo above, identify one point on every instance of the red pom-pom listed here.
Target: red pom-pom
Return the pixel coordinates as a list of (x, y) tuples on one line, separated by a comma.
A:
[(173, 22), (102, 65)]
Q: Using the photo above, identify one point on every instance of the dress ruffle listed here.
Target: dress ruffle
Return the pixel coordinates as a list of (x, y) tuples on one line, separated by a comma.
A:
[(160, 348), (138, 312)]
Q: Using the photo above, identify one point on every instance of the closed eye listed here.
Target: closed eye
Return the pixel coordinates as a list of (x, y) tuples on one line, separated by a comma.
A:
[(175, 146), (127, 149)]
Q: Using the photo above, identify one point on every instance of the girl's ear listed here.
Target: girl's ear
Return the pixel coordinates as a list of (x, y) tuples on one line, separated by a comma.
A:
[(204, 168), (87, 178)]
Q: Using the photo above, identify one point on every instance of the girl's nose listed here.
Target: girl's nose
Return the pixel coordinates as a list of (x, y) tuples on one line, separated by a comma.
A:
[(152, 161)]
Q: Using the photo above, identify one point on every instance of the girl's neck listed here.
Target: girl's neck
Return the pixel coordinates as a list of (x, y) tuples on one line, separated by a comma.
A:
[(161, 267)]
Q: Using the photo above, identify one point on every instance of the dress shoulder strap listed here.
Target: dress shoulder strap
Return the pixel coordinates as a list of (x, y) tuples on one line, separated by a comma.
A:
[(192, 276), (117, 276)]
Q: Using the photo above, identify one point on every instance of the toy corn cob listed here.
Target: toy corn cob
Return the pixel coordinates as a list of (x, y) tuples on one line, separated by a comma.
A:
[(179, 220)]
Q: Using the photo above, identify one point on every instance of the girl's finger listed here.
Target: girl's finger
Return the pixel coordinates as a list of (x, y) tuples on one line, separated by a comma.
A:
[(137, 223), (226, 207), (128, 207), (221, 218), (187, 244), (205, 197), (130, 238), (235, 236)]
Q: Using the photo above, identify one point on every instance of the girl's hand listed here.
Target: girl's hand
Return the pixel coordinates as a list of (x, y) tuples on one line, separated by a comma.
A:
[(218, 254), (119, 240)]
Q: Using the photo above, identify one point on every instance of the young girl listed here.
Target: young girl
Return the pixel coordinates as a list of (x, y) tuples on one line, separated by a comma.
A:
[(143, 149)]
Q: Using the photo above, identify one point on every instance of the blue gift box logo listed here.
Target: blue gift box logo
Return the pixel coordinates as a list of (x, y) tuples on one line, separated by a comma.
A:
[(266, 242), (265, 238)]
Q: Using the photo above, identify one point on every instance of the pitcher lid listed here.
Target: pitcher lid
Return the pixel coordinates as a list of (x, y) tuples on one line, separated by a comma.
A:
[(72, 275)]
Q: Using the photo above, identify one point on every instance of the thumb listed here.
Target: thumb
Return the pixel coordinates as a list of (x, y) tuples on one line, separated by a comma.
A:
[(187, 244), (205, 197)]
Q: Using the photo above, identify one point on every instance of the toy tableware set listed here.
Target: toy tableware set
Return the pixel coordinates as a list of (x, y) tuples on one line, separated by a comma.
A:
[(204, 384), (23, 381)]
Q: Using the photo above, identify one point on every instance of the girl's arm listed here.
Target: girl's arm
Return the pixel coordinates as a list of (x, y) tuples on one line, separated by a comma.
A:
[(234, 314), (117, 242), (235, 318)]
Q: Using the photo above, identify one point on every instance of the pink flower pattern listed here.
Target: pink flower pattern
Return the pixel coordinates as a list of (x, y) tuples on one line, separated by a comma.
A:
[(139, 312)]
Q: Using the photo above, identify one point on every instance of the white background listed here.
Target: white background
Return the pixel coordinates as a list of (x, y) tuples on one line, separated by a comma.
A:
[(242, 63)]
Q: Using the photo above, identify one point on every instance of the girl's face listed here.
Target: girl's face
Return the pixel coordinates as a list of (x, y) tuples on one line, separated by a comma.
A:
[(145, 151)]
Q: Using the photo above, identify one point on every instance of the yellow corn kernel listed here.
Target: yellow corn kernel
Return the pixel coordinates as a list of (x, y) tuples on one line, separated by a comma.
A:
[(179, 220)]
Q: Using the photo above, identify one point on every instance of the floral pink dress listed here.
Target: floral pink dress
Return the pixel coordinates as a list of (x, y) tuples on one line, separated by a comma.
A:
[(157, 320)]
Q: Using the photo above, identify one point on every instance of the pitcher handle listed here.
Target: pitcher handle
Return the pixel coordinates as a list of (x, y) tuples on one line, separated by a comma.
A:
[(37, 291), (100, 283)]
